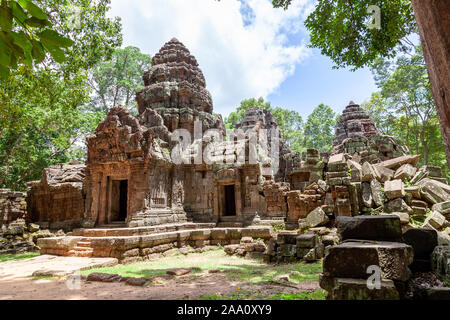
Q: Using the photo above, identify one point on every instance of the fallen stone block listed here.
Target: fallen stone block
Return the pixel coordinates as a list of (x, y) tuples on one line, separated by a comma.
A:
[(433, 171), (405, 172), (377, 192), (396, 163), (178, 272), (435, 220), (382, 228), (367, 195), (443, 208), (419, 211), (397, 205), (423, 241), (357, 289), (421, 174), (104, 277), (385, 174), (394, 189), (392, 258), (443, 238), (403, 216), (368, 172), (317, 218), (287, 238), (434, 191), (306, 241), (440, 261)]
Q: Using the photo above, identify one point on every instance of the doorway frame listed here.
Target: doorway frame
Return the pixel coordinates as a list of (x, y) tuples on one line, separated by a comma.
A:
[(109, 185)]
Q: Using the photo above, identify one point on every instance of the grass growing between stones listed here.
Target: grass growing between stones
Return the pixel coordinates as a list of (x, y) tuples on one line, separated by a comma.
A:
[(19, 256)]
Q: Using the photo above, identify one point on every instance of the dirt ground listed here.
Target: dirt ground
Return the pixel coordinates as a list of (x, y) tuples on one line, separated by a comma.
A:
[(176, 289), (17, 283)]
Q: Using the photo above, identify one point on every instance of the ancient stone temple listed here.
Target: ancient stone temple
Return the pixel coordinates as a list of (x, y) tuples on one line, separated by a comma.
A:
[(172, 176)]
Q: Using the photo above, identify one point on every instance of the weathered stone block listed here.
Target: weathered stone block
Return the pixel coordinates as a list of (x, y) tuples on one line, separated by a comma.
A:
[(383, 228), (317, 218), (377, 192), (443, 208), (393, 259), (441, 262), (357, 289), (306, 241), (405, 172), (434, 191), (394, 189), (423, 241), (397, 205), (435, 220)]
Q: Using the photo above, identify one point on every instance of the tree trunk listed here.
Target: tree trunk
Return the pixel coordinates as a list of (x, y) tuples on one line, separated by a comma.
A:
[(434, 26)]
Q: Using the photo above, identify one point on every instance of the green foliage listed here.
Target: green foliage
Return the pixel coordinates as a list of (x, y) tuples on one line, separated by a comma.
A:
[(27, 35), (339, 29), (404, 107), (319, 128), (41, 119), (116, 81), (279, 227), (289, 122)]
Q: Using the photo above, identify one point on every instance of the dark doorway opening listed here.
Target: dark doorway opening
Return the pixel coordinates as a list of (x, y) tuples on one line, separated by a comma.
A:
[(119, 200), (230, 201)]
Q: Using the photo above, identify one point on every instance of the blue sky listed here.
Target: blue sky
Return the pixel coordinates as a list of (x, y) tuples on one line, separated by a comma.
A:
[(246, 49)]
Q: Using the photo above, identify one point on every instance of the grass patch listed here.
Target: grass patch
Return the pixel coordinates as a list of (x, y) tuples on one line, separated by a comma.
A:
[(205, 261), (18, 256), (238, 269), (249, 295), (298, 272), (315, 295)]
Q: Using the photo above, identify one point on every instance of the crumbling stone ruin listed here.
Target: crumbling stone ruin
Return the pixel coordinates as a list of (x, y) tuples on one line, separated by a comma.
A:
[(291, 247), (376, 260), (13, 208), (57, 200), (172, 177)]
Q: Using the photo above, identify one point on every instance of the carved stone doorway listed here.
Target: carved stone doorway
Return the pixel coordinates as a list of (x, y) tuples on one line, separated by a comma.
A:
[(230, 201), (118, 201)]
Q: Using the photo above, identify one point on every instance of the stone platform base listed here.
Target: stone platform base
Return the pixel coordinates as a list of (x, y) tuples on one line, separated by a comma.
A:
[(132, 244)]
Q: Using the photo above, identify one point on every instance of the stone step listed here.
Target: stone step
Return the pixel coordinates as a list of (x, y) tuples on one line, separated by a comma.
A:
[(81, 254), (230, 225), (139, 231), (84, 244), (84, 249)]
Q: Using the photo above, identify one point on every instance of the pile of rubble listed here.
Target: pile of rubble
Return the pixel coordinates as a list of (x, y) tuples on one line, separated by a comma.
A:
[(13, 207), (290, 247), (20, 237), (375, 260), (247, 248), (419, 197)]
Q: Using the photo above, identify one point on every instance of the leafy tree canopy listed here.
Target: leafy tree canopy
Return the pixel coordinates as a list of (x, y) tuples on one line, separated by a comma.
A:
[(319, 128), (340, 29), (404, 106), (116, 81), (41, 117), (289, 122)]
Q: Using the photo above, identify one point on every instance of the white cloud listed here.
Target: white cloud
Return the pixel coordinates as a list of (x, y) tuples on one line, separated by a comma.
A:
[(243, 49)]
